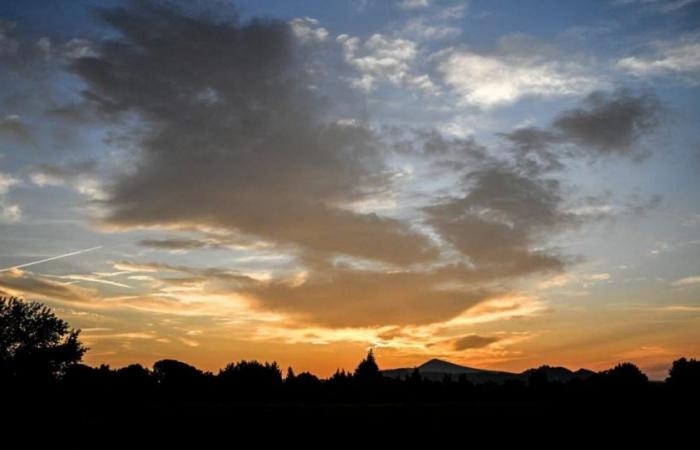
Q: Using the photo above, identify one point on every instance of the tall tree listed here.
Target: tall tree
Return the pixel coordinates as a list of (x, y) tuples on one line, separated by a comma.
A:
[(34, 343), (368, 370)]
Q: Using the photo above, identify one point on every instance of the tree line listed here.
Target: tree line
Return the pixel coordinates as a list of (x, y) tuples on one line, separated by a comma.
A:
[(40, 353)]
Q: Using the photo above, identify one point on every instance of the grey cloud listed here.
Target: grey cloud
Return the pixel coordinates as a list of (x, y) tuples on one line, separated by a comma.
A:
[(443, 152), (27, 284), (341, 297), (173, 244), (532, 151), (606, 123), (8, 43), (14, 130), (499, 222), (611, 122), (435, 144), (639, 206), (65, 171), (236, 138), (472, 341), (233, 137)]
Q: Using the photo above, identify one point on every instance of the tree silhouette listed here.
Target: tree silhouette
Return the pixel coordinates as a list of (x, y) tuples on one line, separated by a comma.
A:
[(251, 379), (368, 370), (172, 374), (624, 377), (685, 374), (252, 374), (627, 372), (290, 375), (34, 343)]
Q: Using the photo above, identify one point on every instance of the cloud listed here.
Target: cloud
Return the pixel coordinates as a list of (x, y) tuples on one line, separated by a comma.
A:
[(25, 284), (9, 212), (383, 59), (472, 341), (91, 279), (605, 123), (173, 244), (341, 297), (663, 6), (497, 224), (520, 67), (236, 139), (235, 133), (335, 295), (306, 29), (414, 4), (680, 57), (127, 266), (81, 176), (426, 29), (6, 182), (687, 281), (433, 25), (610, 122), (14, 130), (8, 43)]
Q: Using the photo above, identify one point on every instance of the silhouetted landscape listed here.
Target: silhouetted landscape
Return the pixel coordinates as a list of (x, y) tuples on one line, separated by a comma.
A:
[(281, 222), (42, 378)]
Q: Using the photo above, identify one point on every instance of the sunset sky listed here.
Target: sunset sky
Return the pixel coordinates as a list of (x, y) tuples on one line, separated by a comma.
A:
[(501, 184)]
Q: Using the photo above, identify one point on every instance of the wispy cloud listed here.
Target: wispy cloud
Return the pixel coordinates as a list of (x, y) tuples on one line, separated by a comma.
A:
[(53, 258), (679, 57), (504, 76), (687, 281)]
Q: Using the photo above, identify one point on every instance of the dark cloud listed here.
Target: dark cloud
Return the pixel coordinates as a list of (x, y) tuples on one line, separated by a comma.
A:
[(342, 297), (14, 130), (611, 122), (173, 244), (499, 222), (532, 149), (236, 138), (235, 134), (17, 282), (64, 172), (337, 295), (444, 153), (472, 341), (606, 123), (640, 207)]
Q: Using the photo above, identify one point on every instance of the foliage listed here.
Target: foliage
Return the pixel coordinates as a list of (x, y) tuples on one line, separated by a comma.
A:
[(34, 343)]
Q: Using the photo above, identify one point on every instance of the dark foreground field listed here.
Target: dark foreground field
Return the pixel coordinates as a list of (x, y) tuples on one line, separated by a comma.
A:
[(625, 419)]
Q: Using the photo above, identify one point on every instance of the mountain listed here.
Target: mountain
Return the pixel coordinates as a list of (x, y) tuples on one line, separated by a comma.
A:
[(437, 370), (440, 366)]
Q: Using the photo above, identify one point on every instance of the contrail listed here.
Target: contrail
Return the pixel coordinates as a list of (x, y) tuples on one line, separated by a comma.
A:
[(50, 259)]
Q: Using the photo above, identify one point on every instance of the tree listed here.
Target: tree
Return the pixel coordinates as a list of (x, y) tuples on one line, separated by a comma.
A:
[(290, 375), (34, 343), (368, 370), (251, 379), (684, 374), (173, 373), (624, 376), (252, 374)]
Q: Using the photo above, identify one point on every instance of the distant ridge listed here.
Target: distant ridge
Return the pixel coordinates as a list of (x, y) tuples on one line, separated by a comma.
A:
[(437, 369)]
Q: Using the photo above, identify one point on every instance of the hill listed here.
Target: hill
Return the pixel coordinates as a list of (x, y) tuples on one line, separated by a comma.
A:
[(437, 370)]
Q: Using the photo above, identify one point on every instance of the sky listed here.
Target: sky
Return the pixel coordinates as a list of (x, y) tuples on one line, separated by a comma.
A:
[(500, 184)]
